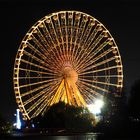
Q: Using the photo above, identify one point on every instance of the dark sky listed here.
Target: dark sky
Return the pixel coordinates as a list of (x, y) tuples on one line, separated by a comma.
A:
[(121, 18)]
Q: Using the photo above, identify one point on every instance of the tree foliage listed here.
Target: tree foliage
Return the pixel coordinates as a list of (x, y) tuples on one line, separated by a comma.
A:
[(62, 115)]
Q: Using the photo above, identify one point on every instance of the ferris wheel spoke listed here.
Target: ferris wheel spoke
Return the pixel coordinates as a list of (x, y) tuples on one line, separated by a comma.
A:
[(46, 89), (43, 62), (59, 53), (98, 64), (98, 39), (50, 49), (37, 77), (80, 34), (69, 27), (39, 45), (43, 49), (77, 49), (52, 31), (103, 83), (81, 28), (45, 105), (100, 47), (35, 58), (61, 24), (50, 40), (58, 34), (37, 66), (33, 98), (57, 27), (76, 23), (63, 55), (37, 83), (35, 71), (91, 52), (31, 108), (90, 55), (42, 58), (89, 83), (85, 47), (46, 34), (35, 50), (86, 96), (75, 34), (36, 89), (73, 48), (106, 83), (92, 36), (104, 44), (38, 102), (101, 76), (41, 108), (46, 42), (87, 32), (41, 37), (82, 66), (104, 69), (56, 48), (69, 40), (55, 59), (90, 92)]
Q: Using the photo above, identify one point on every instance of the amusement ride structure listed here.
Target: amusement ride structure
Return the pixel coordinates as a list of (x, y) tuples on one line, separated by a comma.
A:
[(66, 56)]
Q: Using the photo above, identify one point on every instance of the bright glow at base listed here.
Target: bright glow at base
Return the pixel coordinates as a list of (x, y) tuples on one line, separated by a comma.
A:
[(99, 103), (18, 122), (96, 107)]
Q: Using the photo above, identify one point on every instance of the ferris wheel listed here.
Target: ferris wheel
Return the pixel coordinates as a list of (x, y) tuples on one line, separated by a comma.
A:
[(67, 56)]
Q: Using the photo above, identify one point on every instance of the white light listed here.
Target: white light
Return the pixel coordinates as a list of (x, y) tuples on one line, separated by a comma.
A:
[(91, 108), (33, 126), (18, 122), (99, 103), (15, 124), (96, 107)]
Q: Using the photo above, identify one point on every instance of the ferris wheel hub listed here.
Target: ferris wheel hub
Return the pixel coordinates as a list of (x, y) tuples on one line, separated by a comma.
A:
[(70, 74)]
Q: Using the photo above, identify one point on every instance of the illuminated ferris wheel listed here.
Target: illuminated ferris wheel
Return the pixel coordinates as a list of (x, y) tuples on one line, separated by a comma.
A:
[(67, 56)]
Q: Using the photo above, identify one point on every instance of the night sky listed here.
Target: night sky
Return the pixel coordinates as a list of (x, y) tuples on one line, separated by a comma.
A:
[(120, 17)]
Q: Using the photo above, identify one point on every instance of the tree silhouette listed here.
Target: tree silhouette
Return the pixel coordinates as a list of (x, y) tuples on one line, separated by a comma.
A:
[(62, 115), (134, 100)]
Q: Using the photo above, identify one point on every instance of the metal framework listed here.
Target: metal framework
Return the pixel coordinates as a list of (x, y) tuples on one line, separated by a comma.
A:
[(66, 56)]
